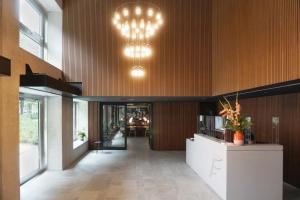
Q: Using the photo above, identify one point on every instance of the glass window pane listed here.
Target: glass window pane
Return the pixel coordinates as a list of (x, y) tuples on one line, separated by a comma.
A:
[(80, 122), (29, 137), (30, 45), (30, 17)]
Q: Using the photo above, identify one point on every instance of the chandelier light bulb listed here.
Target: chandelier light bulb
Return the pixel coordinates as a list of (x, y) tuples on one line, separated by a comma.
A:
[(158, 16), (150, 12), (138, 10), (138, 51), (142, 20), (133, 24), (117, 16), (125, 12)]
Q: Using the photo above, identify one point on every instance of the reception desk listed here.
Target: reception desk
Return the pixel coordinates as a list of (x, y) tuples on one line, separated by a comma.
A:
[(237, 172)]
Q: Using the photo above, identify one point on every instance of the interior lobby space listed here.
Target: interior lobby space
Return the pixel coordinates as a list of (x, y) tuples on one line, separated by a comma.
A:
[(136, 173), (149, 99)]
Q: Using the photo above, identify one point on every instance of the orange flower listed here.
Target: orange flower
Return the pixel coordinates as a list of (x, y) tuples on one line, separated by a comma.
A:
[(238, 107)]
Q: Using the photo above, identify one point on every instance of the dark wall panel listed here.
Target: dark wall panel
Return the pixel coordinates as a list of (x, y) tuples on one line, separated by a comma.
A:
[(287, 108), (94, 124), (173, 123)]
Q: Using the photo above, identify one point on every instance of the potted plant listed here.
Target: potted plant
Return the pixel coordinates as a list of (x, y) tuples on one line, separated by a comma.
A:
[(234, 121), (81, 135)]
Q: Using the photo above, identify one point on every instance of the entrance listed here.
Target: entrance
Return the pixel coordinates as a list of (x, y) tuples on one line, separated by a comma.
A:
[(122, 120), (32, 148)]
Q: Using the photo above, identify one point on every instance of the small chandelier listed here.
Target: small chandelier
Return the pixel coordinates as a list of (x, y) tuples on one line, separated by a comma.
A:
[(137, 21), (138, 71)]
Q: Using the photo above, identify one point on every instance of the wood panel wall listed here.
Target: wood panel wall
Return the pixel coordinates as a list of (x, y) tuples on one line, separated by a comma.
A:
[(180, 66), (173, 123), (254, 43), (94, 124), (287, 108)]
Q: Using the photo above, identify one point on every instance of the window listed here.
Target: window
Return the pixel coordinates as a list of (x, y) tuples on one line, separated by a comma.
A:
[(80, 122), (32, 28)]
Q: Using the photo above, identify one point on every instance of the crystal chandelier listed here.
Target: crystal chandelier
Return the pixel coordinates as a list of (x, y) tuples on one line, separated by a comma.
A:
[(137, 23)]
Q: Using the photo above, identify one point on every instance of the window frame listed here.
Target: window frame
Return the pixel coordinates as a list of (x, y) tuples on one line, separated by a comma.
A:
[(75, 115), (41, 136), (39, 39)]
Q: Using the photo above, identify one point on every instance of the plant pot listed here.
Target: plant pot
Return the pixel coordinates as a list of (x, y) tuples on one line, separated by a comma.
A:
[(238, 138)]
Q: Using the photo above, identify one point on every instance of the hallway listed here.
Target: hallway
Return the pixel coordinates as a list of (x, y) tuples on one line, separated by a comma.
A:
[(137, 173)]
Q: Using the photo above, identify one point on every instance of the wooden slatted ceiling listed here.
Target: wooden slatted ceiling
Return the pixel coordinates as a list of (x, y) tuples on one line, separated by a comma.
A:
[(254, 43), (180, 66)]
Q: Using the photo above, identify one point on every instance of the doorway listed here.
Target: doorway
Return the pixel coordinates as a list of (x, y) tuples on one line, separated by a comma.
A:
[(31, 139), (122, 120)]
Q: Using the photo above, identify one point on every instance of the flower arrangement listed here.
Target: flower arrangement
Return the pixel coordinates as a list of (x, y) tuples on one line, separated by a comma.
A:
[(234, 121)]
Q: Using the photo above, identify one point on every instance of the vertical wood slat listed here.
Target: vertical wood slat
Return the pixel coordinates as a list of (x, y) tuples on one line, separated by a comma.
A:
[(92, 50), (173, 123), (254, 43)]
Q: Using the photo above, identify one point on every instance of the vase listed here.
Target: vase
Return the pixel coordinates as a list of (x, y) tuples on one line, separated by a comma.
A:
[(238, 138)]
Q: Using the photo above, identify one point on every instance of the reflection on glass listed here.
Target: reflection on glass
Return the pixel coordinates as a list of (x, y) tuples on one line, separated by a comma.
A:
[(30, 45), (30, 17), (114, 124), (29, 137), (275, 130)]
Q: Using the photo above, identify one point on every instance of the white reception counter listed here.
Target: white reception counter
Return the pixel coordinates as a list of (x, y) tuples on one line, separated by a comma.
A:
[(237, 172)]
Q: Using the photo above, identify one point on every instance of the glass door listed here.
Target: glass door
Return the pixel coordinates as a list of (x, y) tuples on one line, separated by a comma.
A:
[(31, 137), (114, 134)]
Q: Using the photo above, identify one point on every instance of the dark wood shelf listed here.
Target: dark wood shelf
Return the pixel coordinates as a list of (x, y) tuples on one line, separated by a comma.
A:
[(5, 66)]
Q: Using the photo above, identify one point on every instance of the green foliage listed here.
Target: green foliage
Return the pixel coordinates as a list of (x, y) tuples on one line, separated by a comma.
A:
[(29, 128), (81, 135), (244, 124)]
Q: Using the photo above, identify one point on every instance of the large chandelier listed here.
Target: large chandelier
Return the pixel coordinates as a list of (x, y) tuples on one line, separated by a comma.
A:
[(137, 23)]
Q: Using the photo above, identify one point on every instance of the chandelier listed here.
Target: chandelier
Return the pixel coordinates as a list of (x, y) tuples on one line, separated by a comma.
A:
[(137, 23), (138, 71), (138, 51)]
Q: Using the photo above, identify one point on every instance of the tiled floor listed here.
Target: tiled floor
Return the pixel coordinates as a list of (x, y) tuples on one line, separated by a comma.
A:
[(138, 173)]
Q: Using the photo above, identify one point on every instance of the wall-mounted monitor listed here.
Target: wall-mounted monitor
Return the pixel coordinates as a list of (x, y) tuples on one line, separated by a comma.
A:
[(219, 124)]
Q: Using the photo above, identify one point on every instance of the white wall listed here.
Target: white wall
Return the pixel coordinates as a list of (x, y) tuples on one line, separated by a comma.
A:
[(54, 133), (61, 154), (70, 155)]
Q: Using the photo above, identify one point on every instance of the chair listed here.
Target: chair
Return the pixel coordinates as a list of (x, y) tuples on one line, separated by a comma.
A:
[(98, 145)]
